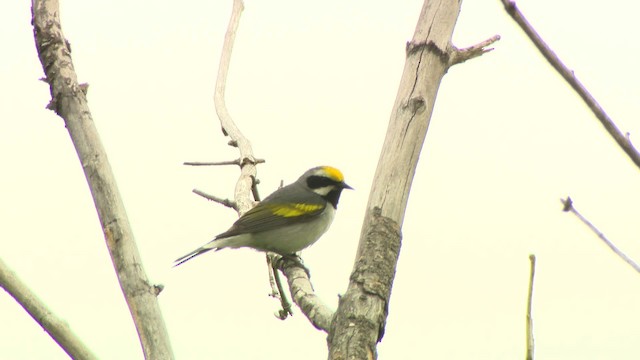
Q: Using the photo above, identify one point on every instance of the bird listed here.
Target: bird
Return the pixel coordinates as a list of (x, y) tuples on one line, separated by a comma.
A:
[(289, 220)]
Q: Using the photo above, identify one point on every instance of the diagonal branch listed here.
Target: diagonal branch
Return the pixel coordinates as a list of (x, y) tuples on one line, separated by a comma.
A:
[(53, 325), (304, 296), (68, 100), (568, 207), (553, 59)]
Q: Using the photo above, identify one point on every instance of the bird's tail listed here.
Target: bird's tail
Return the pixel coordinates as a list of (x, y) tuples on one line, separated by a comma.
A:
[(201, 250)]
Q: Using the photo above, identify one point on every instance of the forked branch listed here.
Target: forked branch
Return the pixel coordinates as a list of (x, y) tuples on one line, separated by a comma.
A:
[(247, 181)]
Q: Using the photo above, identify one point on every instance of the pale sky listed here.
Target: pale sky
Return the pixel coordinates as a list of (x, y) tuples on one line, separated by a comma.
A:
[(313, 83)]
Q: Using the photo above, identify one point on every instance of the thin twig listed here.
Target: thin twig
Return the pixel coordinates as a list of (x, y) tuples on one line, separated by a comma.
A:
[(214, 163), (254, 189), (68, 100), (530, 342), (568, 207), (285, 311), (57, 328), (272, 278), (570, 77), (219, 163), (226, 202)]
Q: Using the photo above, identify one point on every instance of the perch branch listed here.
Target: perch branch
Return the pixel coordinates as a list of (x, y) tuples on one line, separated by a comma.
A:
[(570, 77), (568, 207), (530, 342), (68, 100), (53, 325), (303, 295)]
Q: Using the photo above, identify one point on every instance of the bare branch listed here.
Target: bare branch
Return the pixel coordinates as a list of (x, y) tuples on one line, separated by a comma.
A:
[(278, 293), (226, 202), (53, 325), (220, 163), (530, 342), (247, 160), (462, 55), (303, 295), (570, 77), (272, 278), (247, 182), (68, 100), (568, 207)]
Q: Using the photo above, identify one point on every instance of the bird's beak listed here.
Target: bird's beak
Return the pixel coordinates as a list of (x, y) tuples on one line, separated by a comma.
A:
[(345, 186)]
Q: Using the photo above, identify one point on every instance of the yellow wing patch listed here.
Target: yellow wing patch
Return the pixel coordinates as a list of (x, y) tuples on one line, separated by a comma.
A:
[(334, 173), (293, 210)]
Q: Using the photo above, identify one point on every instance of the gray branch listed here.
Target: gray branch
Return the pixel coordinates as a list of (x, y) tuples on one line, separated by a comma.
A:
[(53, 325), (68, 100), (304, 296)]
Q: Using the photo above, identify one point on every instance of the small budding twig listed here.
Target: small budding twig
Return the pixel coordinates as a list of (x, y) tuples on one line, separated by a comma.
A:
[(568, 207)]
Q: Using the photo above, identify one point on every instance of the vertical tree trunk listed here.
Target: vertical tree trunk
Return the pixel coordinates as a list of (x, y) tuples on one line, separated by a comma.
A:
[(360, 319)]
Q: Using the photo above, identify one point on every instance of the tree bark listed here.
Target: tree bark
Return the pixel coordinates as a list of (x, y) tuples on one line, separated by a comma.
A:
[(359, 322)]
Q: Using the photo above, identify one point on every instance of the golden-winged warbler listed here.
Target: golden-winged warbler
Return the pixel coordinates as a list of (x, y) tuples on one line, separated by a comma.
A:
[(287, 221)]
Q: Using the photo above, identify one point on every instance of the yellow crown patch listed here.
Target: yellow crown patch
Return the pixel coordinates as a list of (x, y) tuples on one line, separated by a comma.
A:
[(293, 210), (333, 173)]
